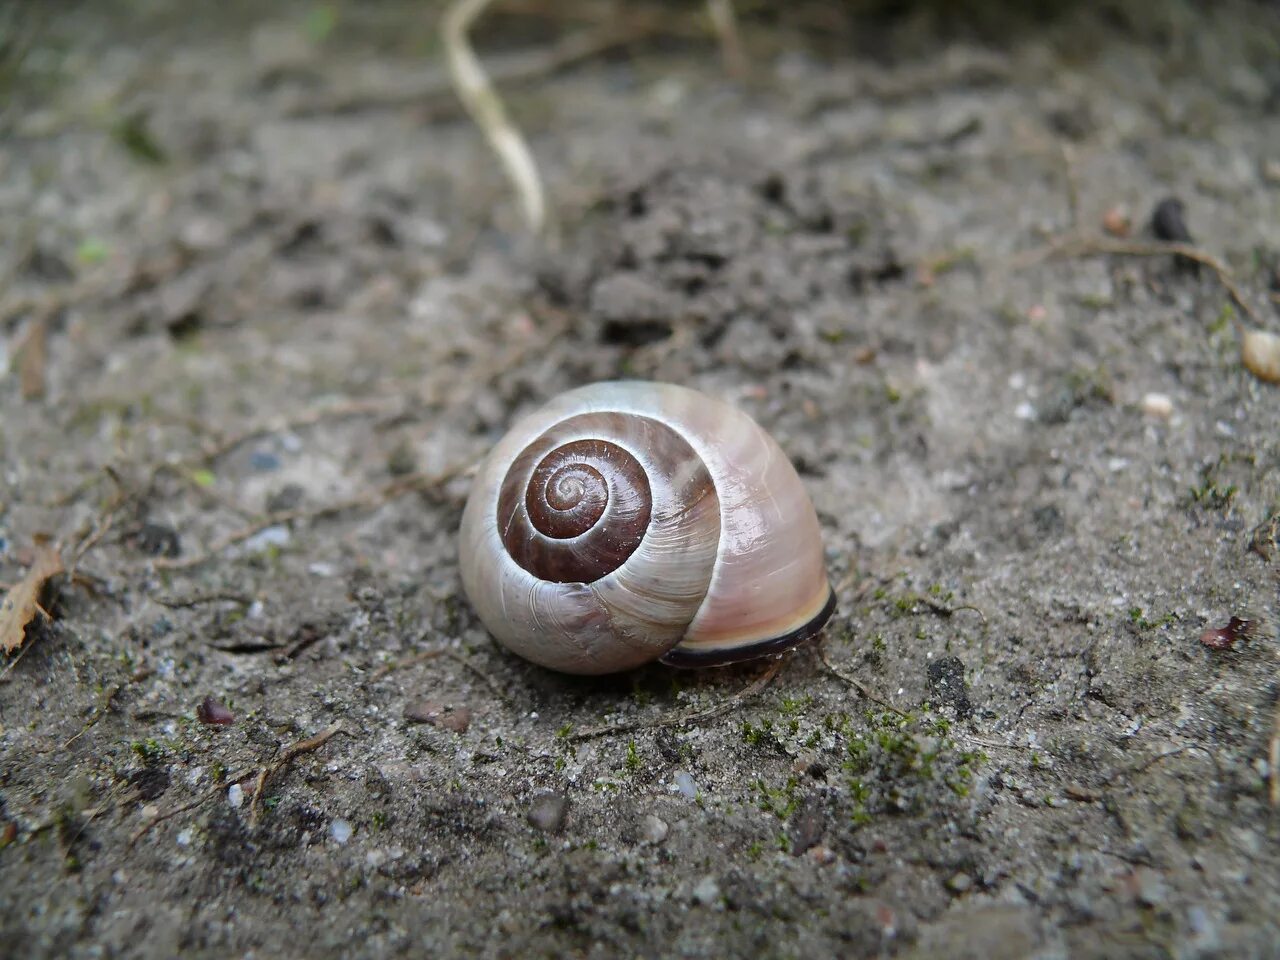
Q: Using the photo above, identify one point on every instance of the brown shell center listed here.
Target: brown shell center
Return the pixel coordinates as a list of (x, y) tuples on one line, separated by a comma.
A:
[(590, 502)]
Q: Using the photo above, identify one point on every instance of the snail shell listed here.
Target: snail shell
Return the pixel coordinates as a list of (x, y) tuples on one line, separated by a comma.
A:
[(628, 522)]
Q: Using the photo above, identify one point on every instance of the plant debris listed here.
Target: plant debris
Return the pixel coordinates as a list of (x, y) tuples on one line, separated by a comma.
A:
[(1224, 638), (22, 602), (214, 713)]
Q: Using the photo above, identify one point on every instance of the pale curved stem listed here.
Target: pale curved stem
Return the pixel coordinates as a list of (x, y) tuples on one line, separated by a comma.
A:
[(486, 109)]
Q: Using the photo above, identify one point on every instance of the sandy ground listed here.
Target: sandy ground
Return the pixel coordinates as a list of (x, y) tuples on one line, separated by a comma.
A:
[(266, 296)]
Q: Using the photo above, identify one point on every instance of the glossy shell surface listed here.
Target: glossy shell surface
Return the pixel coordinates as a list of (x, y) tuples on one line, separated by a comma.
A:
[(627, 522)]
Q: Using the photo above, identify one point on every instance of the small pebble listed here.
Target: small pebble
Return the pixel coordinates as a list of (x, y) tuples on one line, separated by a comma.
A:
[(707, 891), (548, 811), (235, 796), (1116, 221), (264, 461), (960, 883), (276, 536), (1149, 887), (1157, 405), (821, 855), (654, 830), (184, 838), (686, 785), (340, 831), (1168, 221)]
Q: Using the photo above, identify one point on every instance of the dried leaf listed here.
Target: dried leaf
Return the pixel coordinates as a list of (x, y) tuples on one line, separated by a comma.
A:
[(21, 603), (1260, 354)]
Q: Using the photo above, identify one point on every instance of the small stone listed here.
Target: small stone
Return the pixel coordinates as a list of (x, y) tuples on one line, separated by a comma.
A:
[(1157, 405), (287, 497), (402, 460), (235, 796), (156, 540), (274, 536), (821, 855), (686, 785), (1149, 887), (340, 831), (960, 883), (264, 461), (653, 830), (1168, 221), (1116, 221), (455, 717), (707, 891), (548, 810), (184, 837)]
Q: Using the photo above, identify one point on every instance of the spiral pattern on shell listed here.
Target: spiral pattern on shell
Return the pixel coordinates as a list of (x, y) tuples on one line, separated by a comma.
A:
[(627, 522)]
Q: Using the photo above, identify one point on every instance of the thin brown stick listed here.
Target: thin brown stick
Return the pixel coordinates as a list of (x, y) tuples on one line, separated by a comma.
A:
[(159, 818), (488, 680), (200, 599), (368, 501), (400, 664), (98, 714), (1074, 245), (1073, 185), (854, 682), (1274, 769), (679, 719), (309, 745), (222, 446)]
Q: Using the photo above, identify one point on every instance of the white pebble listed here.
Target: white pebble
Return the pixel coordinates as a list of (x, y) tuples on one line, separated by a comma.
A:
[(184, 838), (707, 891), (686, 785), (1157, 405), (654, 829), (276, 536), (340, 831), (235, 796)]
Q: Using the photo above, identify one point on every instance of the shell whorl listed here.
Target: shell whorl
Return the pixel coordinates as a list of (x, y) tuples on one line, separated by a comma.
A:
[(626, 522), (578, 501)]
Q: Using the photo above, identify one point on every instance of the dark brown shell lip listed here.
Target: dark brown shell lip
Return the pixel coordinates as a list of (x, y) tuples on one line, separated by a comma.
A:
[(683, 658)]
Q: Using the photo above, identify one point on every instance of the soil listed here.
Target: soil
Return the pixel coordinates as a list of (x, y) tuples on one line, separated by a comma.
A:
[(267, 296)]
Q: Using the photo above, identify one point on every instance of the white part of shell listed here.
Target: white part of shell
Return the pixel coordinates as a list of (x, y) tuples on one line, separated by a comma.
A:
[(754, 575)]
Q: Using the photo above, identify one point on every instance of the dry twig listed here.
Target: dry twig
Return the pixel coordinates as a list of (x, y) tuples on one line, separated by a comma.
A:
[(486, 109), (854, 682), (1076, 245), (679, 719), (1274, 758), (309, 745), (368, 501)]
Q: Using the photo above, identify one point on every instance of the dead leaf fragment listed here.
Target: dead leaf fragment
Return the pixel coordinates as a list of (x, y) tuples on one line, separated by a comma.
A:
[(22, 602), (1260, 354)]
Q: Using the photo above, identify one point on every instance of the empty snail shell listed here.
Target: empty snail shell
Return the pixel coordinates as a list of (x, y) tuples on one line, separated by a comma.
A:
[(628, 522)]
